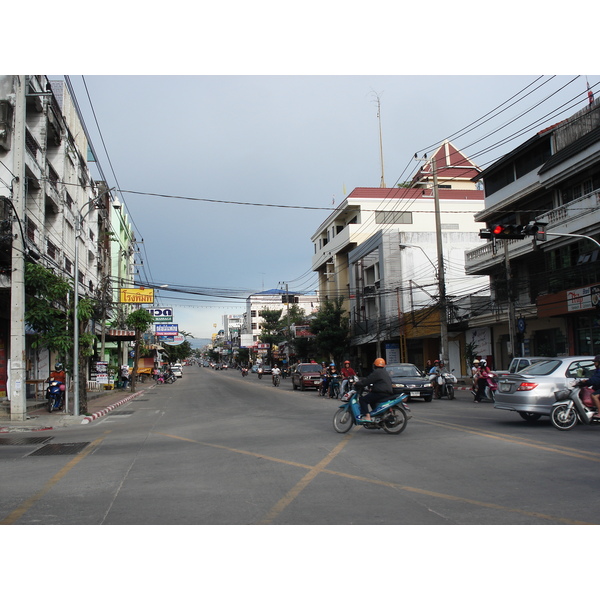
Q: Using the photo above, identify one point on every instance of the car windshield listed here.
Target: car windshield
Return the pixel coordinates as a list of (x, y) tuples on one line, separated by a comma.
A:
[(308, 368), (404, 371)]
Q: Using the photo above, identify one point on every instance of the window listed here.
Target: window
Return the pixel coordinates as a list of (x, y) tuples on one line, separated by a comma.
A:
[(393, 217)]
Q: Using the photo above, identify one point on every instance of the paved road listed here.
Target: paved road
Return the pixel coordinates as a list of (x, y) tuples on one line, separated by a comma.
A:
[(216, 448)]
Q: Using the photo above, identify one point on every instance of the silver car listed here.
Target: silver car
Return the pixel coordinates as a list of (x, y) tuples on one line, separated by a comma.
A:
[(530, 392)]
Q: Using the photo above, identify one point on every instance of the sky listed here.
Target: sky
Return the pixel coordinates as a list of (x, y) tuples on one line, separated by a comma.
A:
[(208, 124), (205, 163)]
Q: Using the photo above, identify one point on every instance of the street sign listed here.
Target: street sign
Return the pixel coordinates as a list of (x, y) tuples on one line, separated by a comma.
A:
[(161, 314), (166, 329)]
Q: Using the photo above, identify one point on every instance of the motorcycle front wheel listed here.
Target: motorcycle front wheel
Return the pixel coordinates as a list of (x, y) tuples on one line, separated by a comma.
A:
[(342, 420), (450, 392), (51, 405), (563, 417), (395, 421)]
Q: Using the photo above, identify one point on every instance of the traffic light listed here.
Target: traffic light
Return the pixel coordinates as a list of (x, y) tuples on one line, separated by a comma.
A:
[(508, 232), (536, 229), (485, 234)]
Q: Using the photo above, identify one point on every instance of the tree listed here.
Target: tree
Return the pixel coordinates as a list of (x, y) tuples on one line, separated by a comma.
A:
[(49, 313), (138, 320), (330, 326), (271, 328)]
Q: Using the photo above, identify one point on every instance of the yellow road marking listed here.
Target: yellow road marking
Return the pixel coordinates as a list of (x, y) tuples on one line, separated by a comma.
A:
[(544, 446), (320, 468), (16, 514)]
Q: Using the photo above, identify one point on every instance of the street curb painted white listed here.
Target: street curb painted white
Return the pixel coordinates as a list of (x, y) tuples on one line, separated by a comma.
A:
[(106, 410)]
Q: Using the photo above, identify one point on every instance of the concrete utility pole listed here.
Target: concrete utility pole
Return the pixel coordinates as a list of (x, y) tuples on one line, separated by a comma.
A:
[(18, 389), (441, 274)]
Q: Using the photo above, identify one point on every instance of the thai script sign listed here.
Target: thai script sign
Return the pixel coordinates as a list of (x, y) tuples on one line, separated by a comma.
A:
[(136, 296)]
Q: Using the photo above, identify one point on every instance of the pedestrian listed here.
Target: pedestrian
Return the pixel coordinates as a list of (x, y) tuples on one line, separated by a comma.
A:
[(124, 376)]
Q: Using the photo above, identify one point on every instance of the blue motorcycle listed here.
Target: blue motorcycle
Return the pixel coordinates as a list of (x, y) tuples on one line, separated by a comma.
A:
[(391, 415), (55, 395)]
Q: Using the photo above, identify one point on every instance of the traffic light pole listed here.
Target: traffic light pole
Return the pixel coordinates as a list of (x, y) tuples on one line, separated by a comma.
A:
[(512, 333)]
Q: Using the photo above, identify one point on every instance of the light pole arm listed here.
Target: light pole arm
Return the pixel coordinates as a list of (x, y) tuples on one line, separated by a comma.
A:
[(575, 235)]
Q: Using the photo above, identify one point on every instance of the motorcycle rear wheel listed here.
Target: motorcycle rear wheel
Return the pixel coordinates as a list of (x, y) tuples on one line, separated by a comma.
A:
[(395, 421), (563, 417), (342, 420)]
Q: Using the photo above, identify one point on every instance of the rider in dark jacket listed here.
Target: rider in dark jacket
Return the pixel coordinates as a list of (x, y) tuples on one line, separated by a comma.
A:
[(381, 388)]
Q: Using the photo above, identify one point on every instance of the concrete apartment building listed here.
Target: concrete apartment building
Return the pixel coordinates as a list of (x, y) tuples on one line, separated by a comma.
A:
[(544, 294), (378, 252)]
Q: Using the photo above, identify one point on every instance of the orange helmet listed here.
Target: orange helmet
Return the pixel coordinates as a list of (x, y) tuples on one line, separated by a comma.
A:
[(379, 362)]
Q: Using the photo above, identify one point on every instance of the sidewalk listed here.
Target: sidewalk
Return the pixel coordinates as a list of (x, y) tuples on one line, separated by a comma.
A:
[(99, 404)]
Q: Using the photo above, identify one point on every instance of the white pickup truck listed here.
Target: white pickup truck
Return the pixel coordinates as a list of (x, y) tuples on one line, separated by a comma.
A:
[(519, 363)]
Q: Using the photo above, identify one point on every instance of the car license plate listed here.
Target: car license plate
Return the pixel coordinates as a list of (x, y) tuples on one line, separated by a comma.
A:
[(504, 387), (417, 394)]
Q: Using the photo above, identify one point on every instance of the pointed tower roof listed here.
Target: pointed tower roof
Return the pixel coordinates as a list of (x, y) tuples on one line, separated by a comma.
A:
[(453, 168)]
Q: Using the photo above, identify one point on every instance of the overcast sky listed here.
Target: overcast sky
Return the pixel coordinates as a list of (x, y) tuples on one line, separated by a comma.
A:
[(305, 138), (298, 141)]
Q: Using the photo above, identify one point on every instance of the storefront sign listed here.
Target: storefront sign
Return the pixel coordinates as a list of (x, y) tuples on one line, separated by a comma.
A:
[(136, 296)]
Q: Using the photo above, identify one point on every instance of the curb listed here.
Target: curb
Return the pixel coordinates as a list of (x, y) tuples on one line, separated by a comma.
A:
[(108, 409)]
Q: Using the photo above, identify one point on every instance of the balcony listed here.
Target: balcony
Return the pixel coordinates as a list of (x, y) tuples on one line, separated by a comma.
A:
[(571, 218), (345, 240)]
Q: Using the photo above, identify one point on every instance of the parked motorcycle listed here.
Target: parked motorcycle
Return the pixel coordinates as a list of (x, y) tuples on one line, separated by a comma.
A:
[(446, 383), (573, 405), (55, 394), (392, 415)]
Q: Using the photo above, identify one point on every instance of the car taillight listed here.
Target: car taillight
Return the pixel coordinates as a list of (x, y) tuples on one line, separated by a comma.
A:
[(527, 386)]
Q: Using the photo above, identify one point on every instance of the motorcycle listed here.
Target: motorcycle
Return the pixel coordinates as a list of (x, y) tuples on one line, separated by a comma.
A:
[(260, 373), (55, 394), (573, 405), (244, 372), (392, 415), (446, 383), (276, 380), (334, 385)]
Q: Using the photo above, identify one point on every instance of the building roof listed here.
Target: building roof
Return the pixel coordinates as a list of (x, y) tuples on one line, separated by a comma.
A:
[(396, 193), (572, 149)]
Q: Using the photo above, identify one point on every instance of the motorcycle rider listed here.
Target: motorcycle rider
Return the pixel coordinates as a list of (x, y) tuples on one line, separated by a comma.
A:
[(381, 388), (434, 373), (594, 383), (481, 380), (276, 371), (347, 373), (59, 374)]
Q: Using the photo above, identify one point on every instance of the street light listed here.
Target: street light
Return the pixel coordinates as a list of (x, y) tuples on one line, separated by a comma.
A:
[(80, 217)]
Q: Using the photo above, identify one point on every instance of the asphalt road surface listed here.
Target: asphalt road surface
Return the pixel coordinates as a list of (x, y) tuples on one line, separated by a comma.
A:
[(216, 448)]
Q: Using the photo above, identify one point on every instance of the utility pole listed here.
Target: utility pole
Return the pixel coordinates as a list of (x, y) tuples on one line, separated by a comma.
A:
[(18, 389), (441, 274), (382, 182)]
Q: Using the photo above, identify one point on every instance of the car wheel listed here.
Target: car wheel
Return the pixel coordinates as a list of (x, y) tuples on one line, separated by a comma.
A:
[(529, 416), (428, 398)]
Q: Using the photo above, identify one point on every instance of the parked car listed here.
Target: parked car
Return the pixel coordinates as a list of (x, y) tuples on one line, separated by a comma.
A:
[(408, 378), (306, 375), (177, 370), (521, 362), (530, 392)]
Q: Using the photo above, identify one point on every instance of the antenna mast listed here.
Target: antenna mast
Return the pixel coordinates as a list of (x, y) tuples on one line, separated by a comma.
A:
[(382, 183)]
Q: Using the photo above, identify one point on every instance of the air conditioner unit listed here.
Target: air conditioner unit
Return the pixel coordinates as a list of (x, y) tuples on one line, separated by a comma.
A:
[(369, 289)]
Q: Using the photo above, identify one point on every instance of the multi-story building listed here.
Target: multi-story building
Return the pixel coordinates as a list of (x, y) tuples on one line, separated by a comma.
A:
[(378, 251), (544, 294), (53, 206), (274, 299)]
